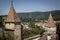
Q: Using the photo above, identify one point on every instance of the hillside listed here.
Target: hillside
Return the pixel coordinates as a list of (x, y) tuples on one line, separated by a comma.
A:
[(44, 15), (55, 14)]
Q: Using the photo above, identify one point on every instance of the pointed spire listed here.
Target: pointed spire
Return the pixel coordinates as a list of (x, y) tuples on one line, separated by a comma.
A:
[(12, 16), (50, 20), (50, 14), (11, 2)]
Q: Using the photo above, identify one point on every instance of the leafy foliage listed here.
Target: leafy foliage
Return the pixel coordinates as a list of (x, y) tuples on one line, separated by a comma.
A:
[(6, 37), (34, 31)]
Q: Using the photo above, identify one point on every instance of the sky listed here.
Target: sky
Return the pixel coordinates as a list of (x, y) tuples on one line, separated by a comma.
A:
[(29, 5)]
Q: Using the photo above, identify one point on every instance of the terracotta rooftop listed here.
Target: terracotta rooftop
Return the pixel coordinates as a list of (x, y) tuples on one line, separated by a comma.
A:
[(12, 16)]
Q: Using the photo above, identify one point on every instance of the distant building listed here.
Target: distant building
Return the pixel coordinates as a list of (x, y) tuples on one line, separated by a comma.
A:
[(50, 28)]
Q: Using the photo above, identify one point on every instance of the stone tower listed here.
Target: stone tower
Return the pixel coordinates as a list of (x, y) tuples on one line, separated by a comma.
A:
[(51, 25), (12, 23), (51, 28)]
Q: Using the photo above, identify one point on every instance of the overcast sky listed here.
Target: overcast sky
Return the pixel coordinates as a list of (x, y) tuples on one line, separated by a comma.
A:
[(29, 5)]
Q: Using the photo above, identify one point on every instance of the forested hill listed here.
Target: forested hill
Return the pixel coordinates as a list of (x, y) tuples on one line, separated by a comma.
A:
[(38, 14), (55, 14)]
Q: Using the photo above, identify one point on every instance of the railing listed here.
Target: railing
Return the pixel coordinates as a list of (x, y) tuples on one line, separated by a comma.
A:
[(33, 37)]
